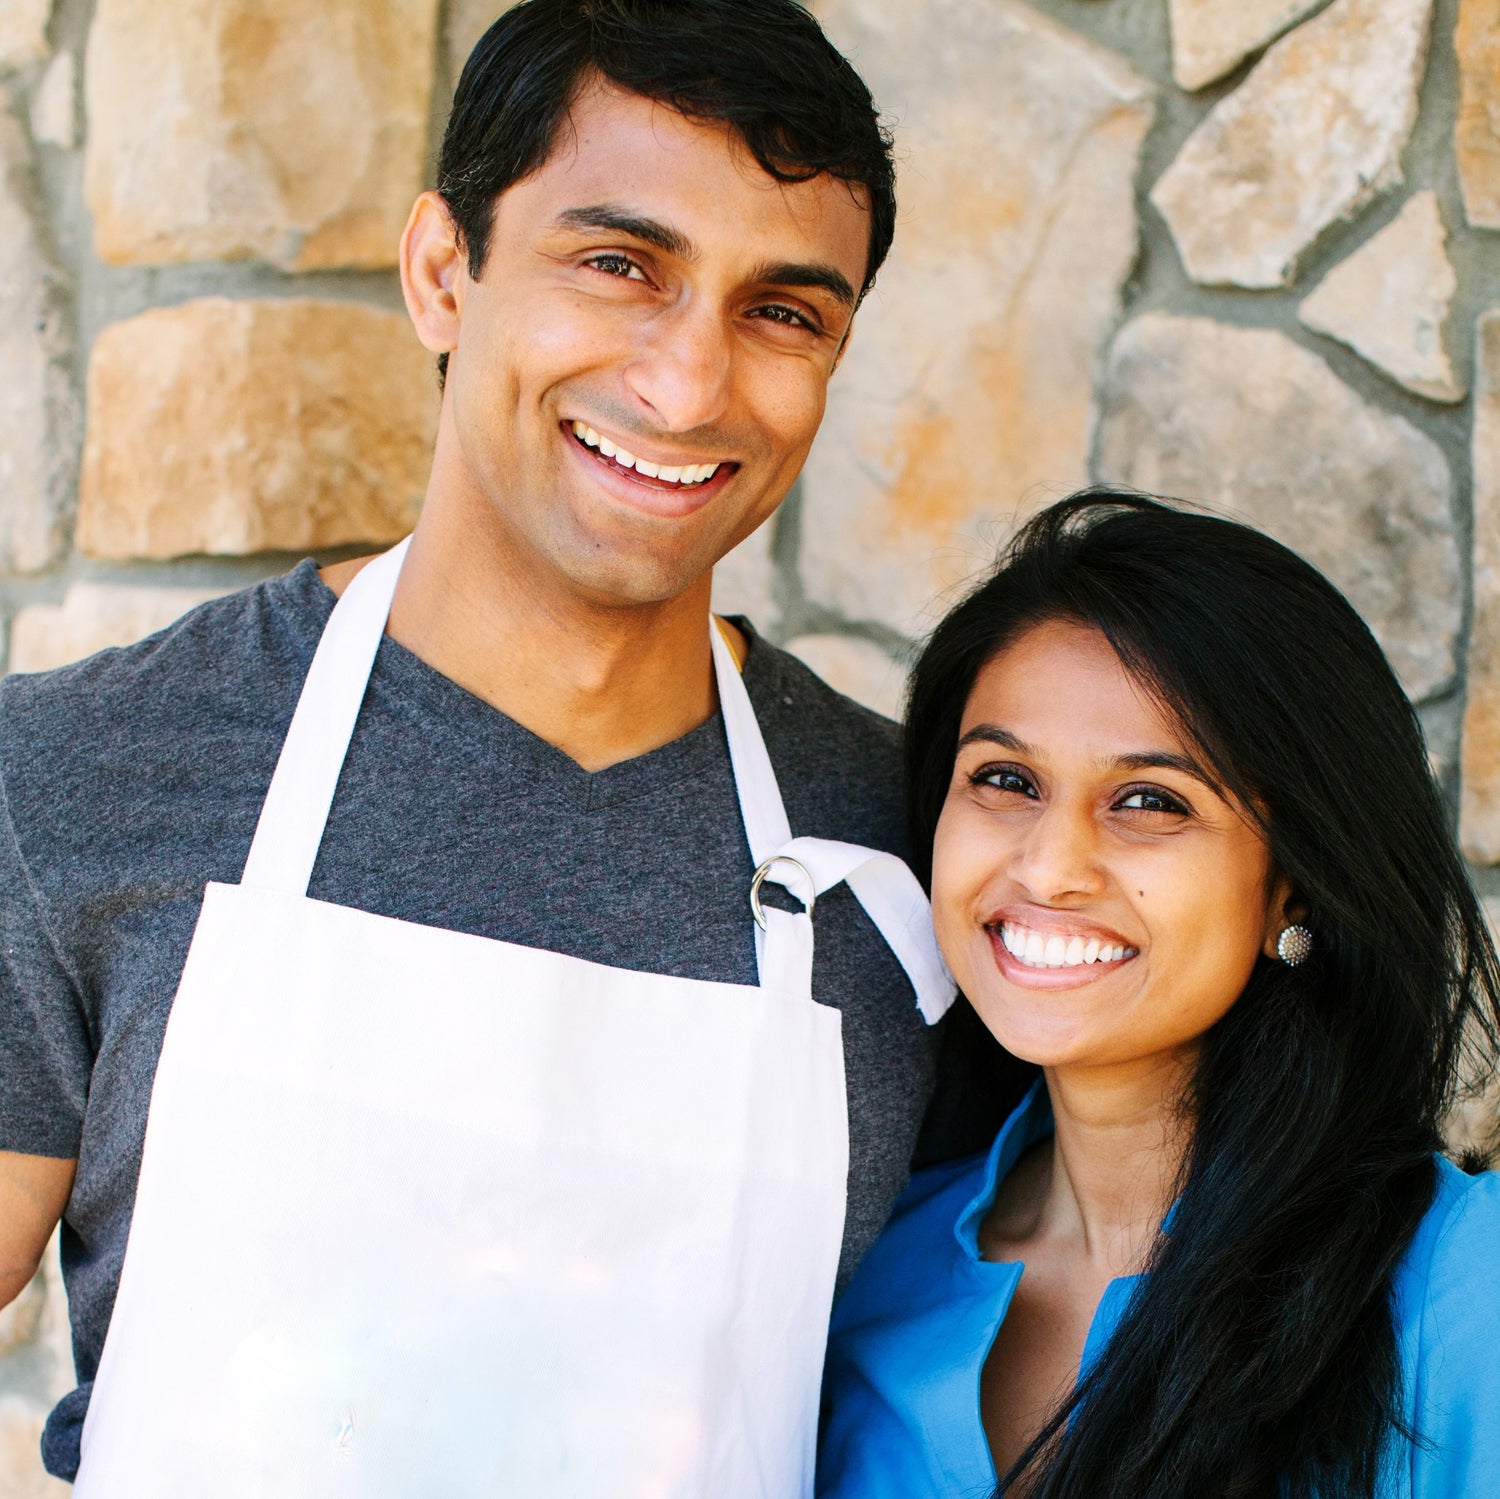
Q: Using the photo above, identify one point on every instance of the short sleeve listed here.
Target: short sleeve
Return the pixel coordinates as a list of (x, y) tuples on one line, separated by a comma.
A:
[(46, 1055), (1457, 1376)]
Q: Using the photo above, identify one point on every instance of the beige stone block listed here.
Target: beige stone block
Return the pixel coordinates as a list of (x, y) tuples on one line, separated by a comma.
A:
[(1472, 1129), (54, 108), (1311, 136), (1248, 422), (221, 129), (967, 392), (23, 32), (857, 668), (468, 20), (1213, 37), (1477, 135), (21, 1320), (1389, 301), (1479, 822), (236, 427), (93, 617), (21, 1472), (744, 581), (38, 419)]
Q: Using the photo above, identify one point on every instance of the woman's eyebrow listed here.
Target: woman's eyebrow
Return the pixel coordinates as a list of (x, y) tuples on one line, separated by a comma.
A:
[(989, 733), (1163, 760)]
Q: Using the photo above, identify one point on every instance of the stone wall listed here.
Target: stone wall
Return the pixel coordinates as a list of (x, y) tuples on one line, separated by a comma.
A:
[(1245, 251)]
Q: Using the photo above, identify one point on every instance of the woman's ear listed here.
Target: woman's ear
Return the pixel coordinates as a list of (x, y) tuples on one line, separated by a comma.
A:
[(432, 273), (1284, 908)]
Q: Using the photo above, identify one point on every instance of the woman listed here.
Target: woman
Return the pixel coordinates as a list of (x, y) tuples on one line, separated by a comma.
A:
[(1187, 858)]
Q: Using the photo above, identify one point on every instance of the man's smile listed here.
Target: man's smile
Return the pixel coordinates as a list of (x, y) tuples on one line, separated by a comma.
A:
[(683, 476)]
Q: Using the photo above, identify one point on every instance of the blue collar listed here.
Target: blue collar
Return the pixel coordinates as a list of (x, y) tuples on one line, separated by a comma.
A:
[(1030, 1121)]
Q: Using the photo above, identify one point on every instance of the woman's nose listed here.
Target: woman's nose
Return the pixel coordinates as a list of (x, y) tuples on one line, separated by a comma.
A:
[(1058, 855), (682, 370)]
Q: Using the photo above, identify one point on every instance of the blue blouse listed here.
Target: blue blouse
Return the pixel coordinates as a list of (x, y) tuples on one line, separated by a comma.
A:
[(909, 1338)]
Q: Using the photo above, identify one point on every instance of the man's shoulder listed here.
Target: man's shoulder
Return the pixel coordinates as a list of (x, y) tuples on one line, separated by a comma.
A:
[(839, 762), (160, 706), (270, 621)]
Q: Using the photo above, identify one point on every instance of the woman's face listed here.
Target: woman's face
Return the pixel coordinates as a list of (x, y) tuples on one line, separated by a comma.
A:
[(1097, 900)]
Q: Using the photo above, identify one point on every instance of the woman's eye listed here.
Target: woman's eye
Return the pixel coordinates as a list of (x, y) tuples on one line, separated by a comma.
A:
[(1152, 799), (1004, 778), (621, 266)]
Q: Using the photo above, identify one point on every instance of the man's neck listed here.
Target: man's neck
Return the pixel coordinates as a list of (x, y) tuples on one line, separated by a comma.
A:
[(602, 684)]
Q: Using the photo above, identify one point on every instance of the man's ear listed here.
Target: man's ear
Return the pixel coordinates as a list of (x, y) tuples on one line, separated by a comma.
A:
[(1284, 908), (433, 270)]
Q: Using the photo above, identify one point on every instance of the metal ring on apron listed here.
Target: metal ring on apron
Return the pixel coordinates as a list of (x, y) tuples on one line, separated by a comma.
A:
[(760, 879)]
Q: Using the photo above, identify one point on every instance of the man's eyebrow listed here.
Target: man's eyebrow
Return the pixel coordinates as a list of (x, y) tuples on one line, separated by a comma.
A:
[(815, 276), (988, 733), (603, 216), (612, 220)]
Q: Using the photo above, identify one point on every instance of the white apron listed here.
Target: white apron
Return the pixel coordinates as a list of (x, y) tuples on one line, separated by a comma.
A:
[(423, 1213)]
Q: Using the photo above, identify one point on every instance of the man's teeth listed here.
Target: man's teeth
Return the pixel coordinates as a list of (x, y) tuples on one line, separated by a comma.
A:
[(1038, 951), (691, 473)]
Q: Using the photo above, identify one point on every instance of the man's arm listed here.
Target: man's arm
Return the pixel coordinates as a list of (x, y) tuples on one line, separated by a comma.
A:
[(33, 1193)]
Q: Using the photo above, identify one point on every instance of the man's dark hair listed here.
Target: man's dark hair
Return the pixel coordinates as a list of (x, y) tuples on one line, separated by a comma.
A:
[(763, 67)]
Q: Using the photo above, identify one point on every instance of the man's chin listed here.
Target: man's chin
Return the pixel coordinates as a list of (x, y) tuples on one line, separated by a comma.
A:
[(636, 582)]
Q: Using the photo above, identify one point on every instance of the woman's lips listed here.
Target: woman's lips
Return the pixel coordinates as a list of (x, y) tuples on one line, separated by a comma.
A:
[(1056, 955)]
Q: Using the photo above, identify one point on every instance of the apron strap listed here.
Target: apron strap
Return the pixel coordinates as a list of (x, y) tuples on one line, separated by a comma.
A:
[(889, 892), (892, 898), (295, 812), (764, 816)]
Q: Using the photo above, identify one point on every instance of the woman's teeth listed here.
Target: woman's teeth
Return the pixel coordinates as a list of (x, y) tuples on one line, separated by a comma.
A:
[(1038, 951), (688, 474)]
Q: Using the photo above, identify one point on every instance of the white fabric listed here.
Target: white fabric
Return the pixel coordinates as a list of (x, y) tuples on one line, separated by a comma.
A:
[(886, 888), (424, 1213)]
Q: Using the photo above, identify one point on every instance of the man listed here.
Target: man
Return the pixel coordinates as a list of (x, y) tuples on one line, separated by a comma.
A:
[(493, 1148)]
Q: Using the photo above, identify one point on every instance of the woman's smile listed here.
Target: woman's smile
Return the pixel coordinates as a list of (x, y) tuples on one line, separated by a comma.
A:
[(1099, 898), (1041, 949)]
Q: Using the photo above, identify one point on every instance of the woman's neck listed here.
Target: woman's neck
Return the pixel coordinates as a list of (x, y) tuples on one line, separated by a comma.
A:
[(1116, 1159)]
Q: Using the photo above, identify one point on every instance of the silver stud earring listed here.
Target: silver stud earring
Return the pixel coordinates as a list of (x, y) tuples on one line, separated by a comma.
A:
[(1294, 945)]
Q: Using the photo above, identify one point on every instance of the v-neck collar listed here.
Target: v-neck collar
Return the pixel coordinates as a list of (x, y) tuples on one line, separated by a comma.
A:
[(406, 684)]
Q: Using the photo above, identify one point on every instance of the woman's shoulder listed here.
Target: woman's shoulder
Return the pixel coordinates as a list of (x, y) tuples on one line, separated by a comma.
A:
[(1459, 1235), (1447, 1310)]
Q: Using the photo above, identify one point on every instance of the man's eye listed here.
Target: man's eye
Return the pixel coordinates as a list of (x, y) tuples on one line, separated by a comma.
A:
[(775, 312), (1152, 799), (621, 266)]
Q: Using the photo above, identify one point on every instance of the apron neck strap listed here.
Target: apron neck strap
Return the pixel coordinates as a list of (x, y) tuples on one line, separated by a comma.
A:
[(290, 830), (766, 825)]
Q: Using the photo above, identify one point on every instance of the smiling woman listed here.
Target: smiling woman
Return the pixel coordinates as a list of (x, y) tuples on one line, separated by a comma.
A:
[(1187, 858)]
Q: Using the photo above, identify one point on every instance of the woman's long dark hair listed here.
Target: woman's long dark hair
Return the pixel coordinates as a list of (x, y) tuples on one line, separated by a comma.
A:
[(1259, 1357)]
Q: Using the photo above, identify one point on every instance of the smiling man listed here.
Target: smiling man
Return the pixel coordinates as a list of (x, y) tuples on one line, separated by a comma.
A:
[(411, 997)]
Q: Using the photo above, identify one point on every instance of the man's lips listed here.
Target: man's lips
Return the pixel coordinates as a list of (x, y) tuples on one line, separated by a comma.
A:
[(686, 476)]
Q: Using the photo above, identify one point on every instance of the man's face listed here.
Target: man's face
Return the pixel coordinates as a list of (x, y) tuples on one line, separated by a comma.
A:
[(650, 294)]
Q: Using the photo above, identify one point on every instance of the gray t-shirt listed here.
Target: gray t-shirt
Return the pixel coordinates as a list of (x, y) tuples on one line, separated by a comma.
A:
[(132, 778)]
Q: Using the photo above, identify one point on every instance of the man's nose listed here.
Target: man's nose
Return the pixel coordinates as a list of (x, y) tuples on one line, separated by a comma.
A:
[(1058, 856), (683, 367)]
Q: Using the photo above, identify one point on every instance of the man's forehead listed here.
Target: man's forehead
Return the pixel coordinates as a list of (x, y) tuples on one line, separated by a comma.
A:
[(639, 158)]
